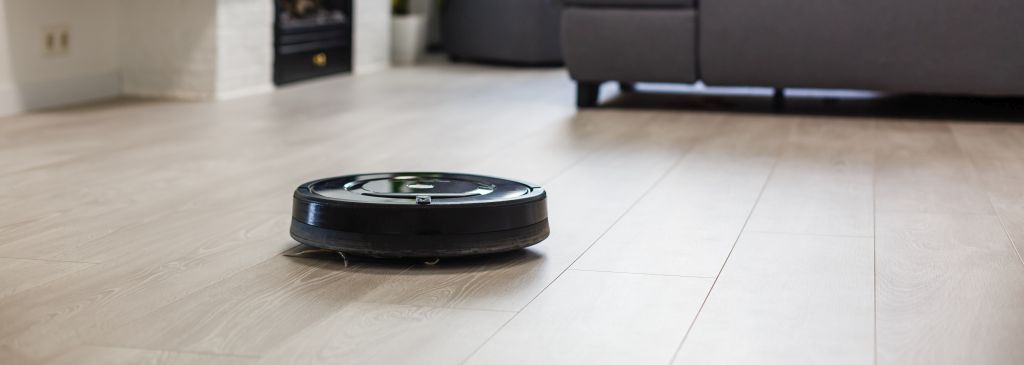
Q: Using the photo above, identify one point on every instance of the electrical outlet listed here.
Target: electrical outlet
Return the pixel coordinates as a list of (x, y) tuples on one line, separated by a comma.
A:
[(56, 40)]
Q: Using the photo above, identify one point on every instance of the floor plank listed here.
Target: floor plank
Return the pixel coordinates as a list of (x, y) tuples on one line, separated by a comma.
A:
[(687, 224), (788, 299), (18, 275), (594, 317), (129, 356), (919, 167), (120, 189), (947, 274), (823, 183), (580, 207), (365, 333), (103, 297), (997, 155), (253, 310), (949, 291), (165, 272)]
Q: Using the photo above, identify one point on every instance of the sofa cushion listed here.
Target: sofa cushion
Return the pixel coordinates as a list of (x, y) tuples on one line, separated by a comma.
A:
[(633, 3)]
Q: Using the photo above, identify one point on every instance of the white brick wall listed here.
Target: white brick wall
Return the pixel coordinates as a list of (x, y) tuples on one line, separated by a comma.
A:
[(245, 54), (196, 49), (372, 38), (169, 48)]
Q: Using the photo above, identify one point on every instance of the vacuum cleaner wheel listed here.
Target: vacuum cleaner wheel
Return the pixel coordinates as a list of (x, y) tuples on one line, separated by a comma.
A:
[(419, 215)]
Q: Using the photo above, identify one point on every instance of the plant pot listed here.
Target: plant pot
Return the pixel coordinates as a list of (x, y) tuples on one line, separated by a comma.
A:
[(408, 38)]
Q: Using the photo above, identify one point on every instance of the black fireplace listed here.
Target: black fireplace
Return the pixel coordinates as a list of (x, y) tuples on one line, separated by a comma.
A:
[(312, 38)]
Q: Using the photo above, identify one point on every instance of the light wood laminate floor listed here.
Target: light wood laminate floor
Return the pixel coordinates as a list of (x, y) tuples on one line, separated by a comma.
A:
[(698, 233)]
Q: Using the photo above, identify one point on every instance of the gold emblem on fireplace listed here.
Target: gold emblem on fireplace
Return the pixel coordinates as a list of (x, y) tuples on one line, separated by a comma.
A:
[(320, 59)]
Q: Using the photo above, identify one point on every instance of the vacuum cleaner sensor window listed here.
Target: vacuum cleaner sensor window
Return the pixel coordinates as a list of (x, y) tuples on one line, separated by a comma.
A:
[(419, 215)]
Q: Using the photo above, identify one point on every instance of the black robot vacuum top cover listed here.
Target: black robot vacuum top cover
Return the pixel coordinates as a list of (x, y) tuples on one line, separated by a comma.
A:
[(419, 214)]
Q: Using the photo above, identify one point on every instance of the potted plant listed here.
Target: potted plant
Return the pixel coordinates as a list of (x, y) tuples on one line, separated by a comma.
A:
[(408, 34)]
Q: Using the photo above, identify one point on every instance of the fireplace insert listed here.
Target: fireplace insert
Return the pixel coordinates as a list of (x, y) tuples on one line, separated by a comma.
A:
[(312, 38)]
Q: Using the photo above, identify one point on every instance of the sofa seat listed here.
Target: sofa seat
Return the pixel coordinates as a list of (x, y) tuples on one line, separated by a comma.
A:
[(633, 3)]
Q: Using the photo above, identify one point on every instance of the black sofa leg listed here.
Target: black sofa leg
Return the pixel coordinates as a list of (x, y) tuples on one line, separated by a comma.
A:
[(587, 93), (627, 87), (779, 98)]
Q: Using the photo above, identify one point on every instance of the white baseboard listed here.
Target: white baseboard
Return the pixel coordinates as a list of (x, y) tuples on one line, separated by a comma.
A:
[(10, 101), (194, 95), (368, 68), (232, 94), (18, 98), (187, 95)]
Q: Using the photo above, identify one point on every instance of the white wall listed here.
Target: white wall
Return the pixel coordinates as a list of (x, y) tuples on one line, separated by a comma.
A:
[(29, 79)]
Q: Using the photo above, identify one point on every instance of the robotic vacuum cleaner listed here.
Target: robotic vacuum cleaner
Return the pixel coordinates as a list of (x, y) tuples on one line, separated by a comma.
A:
[(419, 214)]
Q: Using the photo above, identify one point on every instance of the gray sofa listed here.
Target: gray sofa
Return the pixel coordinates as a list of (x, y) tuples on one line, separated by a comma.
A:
[(913, 46), (523, 32)]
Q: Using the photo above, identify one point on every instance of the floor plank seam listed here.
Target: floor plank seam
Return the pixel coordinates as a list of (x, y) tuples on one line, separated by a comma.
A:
[(764, 186), (636, 202), (644, 273)]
